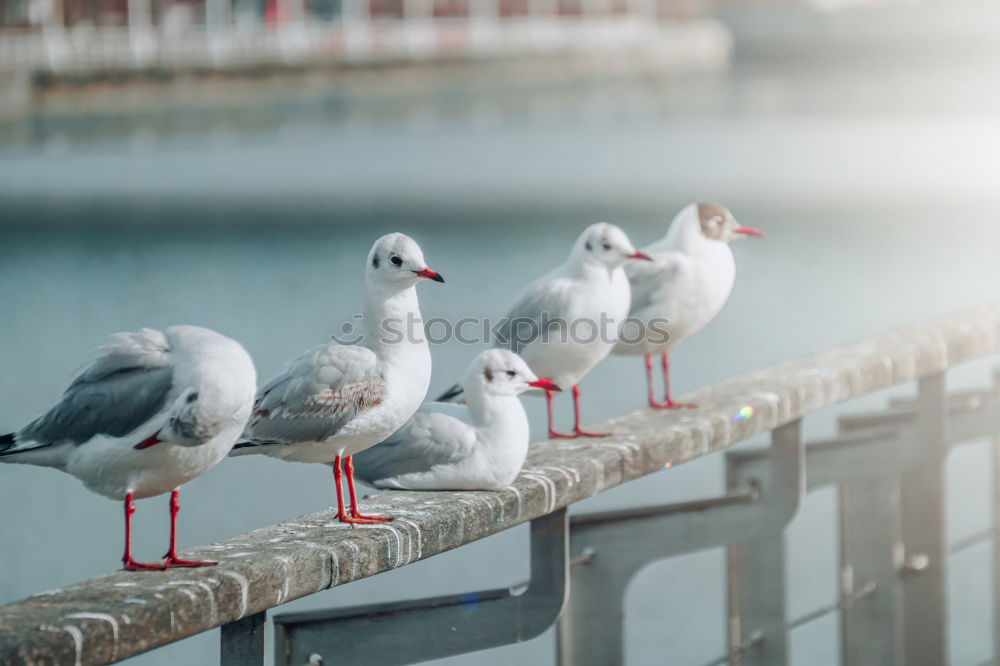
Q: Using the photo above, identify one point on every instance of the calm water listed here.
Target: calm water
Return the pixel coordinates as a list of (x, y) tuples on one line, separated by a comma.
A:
[(275, 263)]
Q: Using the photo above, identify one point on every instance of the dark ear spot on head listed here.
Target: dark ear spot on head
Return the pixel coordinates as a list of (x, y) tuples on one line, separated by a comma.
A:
[(588, 246), (192, 397), (489, 375), (375, 261)]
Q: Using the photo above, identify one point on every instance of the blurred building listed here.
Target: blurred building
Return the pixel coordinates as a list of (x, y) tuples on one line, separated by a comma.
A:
[(50, 40), (25, 14)]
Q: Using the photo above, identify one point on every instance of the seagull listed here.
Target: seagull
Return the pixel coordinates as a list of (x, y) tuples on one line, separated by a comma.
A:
[(682, 289), (153, 411), (480, 445), (337, 400), (559, 326)]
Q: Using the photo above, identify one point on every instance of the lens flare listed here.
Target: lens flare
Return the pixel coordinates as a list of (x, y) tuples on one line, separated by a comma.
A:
[(745, 412)]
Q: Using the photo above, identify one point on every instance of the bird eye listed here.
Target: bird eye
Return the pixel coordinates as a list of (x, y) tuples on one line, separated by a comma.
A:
[(396, 260), (606, 245), (511, 373)]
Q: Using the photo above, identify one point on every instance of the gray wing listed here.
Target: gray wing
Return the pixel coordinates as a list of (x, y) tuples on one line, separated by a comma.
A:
[(541, 308), (438, 434), (315, 396), (652, 280), (115, 394)]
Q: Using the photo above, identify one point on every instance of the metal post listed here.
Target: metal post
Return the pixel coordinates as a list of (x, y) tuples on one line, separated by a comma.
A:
[(413, 631), (996, 524), (870, 552), (756, 585), (610, 548), (243, 641), (756, 592), (922, 510), (592, 631)]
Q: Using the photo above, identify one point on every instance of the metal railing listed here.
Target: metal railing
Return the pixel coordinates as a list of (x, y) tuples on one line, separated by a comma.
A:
[(887, 466)]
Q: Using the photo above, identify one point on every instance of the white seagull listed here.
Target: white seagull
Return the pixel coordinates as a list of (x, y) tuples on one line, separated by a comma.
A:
[(682, 289), (480, 445), (154, 411), (337, 400), (566, 322)]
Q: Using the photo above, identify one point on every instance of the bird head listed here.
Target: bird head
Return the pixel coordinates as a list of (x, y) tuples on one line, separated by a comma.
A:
[(717, 223), (396, 262), (607, 245), (503, 373)]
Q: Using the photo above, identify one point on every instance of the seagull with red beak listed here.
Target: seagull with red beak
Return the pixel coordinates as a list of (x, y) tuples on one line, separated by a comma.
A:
[(567, 321), (337, 400), (480, 445), (682, 289)]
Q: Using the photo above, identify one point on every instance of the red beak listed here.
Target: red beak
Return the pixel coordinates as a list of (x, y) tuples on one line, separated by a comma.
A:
[(430, 275), (545, 384), (749, 231), (149, 441), (640, 255)]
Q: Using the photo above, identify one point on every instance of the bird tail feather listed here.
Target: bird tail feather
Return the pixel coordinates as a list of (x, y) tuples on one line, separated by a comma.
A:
[(243, 448), (451, 395), (7, 443)]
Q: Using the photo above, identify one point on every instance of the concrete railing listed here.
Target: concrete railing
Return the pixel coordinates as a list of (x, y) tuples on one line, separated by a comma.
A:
[(123, 614)]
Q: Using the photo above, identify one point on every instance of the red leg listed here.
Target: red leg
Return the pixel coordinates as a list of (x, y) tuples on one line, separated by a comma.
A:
[(172, 560), (653, 402), (668, 401), (577, 430), (342, 515), (552, 429), (127, 560), (355, 513)]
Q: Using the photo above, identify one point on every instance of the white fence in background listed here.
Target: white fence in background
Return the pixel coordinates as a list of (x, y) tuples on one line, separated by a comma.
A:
[(287, 34)]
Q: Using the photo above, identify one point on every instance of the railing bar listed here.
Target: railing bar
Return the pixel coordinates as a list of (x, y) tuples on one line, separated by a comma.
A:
[(865, 591), (972, 540), (757, 637), (752, 641), (741, 496)]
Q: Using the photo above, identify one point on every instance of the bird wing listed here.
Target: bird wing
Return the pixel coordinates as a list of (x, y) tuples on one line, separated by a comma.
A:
[(316, 395), (541, 308), (126, 386), (651, 281), (437, 434)]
